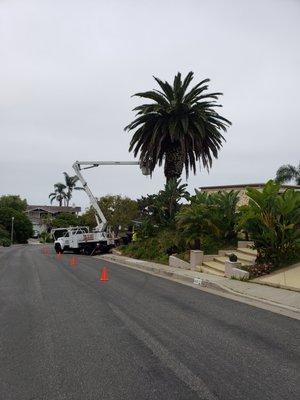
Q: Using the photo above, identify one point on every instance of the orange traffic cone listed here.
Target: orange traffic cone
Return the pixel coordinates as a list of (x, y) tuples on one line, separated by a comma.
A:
[(104, 275), (73, 261), (45, 251)]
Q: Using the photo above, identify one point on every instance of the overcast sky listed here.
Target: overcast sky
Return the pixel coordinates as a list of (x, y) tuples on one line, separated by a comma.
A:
[(68, 69)]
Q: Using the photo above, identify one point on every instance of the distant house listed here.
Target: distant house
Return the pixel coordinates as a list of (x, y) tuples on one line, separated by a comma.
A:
[(241, 188), (38, 215)]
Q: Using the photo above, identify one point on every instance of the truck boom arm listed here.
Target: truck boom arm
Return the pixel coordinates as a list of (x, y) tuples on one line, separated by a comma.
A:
[(77, 166)]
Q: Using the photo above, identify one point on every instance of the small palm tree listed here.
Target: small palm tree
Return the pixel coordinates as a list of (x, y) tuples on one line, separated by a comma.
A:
[(59, 193), (170, 197), (288, 172), (70, 183), (179, 128)]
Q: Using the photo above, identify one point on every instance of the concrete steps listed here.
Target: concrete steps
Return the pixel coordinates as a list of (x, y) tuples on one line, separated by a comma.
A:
[(246, 250), (209, 268), (216, 265), (219, 266), (223, 259)]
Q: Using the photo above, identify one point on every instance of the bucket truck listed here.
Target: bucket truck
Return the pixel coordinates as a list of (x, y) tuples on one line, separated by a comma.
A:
[(79, 239)]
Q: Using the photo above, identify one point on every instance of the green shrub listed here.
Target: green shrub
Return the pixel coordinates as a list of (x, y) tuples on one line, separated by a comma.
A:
[(45, 238), (272, 220), (209, 220), (4, 232), (155, 248), (5, 242)]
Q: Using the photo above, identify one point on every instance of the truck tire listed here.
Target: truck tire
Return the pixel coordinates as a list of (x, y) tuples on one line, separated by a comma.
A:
[(58, 248), (88, 250)]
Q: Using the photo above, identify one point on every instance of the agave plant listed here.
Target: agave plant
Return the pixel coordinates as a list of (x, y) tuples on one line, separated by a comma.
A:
[(179, 128)]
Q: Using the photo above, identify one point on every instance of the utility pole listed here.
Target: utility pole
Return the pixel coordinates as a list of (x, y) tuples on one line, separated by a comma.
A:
[(12, 230)]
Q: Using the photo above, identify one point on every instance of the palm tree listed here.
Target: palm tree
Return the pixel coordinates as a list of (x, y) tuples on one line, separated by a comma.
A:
[(179, 128), (288, 172), (59, 193), (169, 198), (70, 183)]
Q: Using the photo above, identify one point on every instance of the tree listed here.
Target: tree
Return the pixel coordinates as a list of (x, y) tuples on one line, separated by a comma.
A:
[(4, 236), (59, 193), (178, 128), (13, 201), (66, 219), (272, 219), (22, 224), (70, 183), (118, 210), (288, 172)]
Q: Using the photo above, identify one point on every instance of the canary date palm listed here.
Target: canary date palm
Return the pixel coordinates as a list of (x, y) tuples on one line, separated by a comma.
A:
[(179, 128)]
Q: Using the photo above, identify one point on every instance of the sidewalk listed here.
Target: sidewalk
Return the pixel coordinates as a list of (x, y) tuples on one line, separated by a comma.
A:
[(287, 299)]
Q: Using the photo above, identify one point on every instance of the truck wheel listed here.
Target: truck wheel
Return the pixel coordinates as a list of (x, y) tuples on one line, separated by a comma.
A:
[(88, 250), (58, 248)]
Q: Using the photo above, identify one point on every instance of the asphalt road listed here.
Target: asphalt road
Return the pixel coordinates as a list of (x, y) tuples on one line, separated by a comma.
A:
[(66, 335)]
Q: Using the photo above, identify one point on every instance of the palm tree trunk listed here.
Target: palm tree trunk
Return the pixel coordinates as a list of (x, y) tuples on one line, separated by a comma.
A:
[(197, 244), (69, 195), (173, 163)]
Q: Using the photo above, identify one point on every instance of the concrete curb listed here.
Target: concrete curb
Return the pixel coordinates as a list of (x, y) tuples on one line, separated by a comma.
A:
[(193, 281)]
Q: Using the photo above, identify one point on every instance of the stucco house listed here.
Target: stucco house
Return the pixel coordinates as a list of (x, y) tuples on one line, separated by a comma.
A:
[(241, 188), (38, 215)]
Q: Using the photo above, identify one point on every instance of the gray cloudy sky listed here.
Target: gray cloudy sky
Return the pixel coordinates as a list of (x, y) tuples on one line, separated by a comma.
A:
[(69, 67)]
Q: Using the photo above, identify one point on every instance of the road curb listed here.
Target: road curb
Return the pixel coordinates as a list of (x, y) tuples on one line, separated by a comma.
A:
[(204, 283)]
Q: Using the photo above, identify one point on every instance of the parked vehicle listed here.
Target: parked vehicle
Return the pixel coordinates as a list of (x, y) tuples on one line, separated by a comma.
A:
[(79, 240)]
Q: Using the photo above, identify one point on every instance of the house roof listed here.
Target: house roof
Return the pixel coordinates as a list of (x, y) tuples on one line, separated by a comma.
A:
[(53, 209), (245, 185)]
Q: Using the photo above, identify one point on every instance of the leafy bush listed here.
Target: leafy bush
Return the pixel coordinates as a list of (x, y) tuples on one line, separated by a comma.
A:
[(272, 219), (5, 242), (4, 232), (209, 216), (146, 229), (22, 224), (45, 238), (148, 250), (4, 237), (155, 248)]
